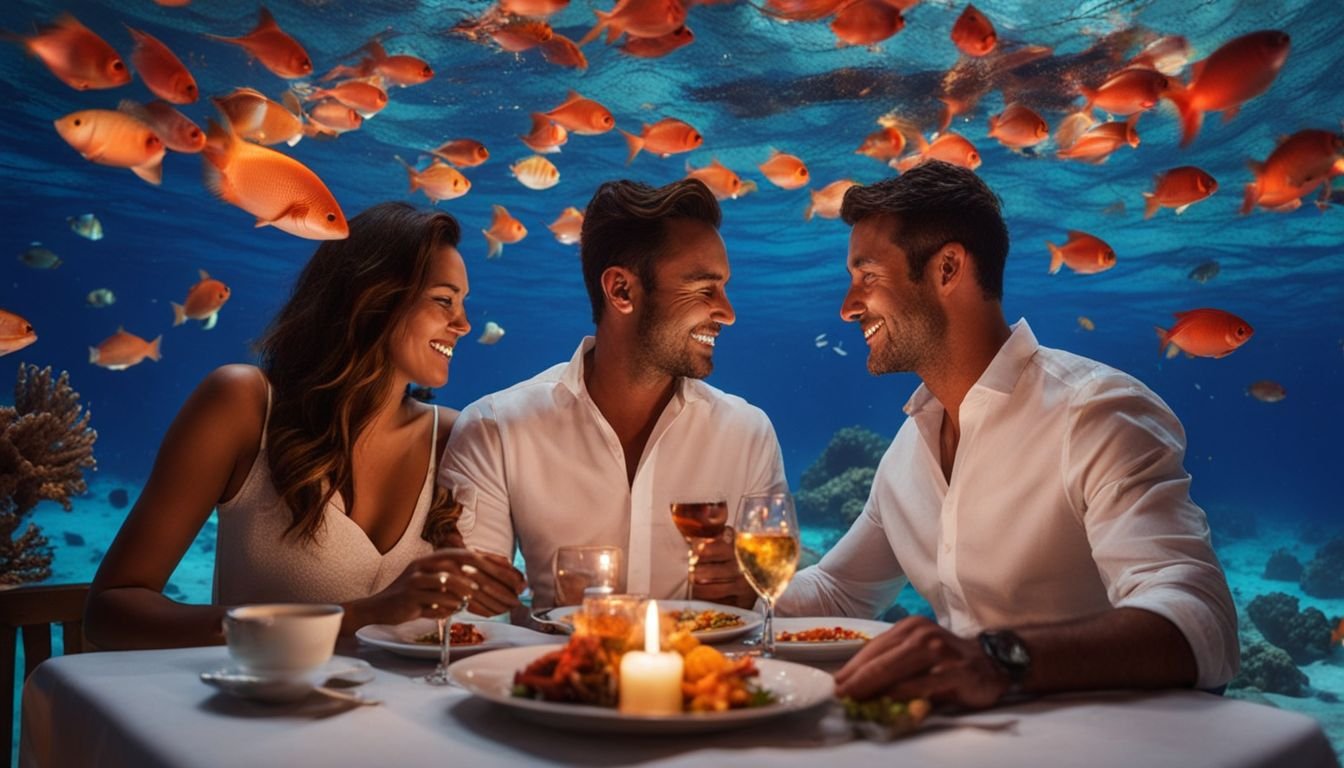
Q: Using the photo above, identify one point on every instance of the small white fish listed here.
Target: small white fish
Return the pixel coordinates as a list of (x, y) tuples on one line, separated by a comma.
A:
[(86, 225), (820, 341), (491, 334), (101, 297), (837, 349)]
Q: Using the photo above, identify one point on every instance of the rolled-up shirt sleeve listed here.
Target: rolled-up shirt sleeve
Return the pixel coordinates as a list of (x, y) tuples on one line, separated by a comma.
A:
[(859, 577), (1124, 474), (473, 469)]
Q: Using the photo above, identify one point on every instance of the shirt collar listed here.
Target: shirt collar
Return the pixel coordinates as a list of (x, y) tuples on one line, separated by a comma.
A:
[(1003, 371), (572, 379)]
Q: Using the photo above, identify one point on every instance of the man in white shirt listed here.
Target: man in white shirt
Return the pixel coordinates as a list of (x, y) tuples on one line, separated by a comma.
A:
[(595, 451), (1035, 498)]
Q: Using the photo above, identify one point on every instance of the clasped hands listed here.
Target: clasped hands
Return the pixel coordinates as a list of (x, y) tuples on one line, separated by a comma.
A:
[(916, 658), (444, 582)]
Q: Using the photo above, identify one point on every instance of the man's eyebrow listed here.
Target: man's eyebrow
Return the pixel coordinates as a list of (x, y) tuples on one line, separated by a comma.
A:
[(859, 262), (703, 275)]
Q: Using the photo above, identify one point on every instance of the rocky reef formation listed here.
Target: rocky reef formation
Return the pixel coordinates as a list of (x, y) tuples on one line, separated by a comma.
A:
[(1324, 575), (1283, 566), (834, 489), (1271, 670), (1304, 635), (45, 446)]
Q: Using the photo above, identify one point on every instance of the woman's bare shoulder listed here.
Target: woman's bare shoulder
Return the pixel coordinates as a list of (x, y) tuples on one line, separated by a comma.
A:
[(233, 396)]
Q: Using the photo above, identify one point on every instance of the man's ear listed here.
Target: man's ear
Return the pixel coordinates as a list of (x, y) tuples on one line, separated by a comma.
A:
[(950, 266), (619, 286)]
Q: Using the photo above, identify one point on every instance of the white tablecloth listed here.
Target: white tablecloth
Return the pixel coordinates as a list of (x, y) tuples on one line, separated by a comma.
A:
[(148, 708)]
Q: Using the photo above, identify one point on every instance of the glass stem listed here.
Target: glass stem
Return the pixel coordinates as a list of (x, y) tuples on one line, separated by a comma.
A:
[(445, 646), (769, 648), (691, 560)]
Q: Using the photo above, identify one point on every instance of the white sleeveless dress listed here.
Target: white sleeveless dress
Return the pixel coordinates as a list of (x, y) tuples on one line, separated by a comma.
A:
[(256, 562)]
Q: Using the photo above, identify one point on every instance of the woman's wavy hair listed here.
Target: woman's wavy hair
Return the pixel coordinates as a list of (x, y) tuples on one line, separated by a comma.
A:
[(328, 356)]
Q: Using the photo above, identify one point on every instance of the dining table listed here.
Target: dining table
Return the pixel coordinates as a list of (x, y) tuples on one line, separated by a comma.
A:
[(150, 708)]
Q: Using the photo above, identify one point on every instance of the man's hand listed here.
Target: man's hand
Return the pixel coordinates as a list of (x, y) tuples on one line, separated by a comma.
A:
[(717, 576), (916, 658)]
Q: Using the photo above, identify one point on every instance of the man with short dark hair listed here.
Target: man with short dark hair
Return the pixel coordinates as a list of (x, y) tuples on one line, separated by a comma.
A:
[(594, 451), (1035, 498)]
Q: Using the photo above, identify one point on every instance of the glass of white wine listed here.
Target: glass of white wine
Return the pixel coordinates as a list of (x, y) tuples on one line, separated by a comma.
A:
[(767, 547)]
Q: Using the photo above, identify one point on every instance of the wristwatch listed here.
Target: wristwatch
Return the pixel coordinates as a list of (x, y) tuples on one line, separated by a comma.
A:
[(1009, 654)]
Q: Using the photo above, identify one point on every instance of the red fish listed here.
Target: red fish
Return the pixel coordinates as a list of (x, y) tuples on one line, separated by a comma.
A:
[(164, 74), (866, 22), (439, 181), (546, 137), (273, 47), (1178, 188), (1237, 72), (568, 226), (399, 69), (582, 116), (1017, 127), (121, 139), (537, 8), (1337, 634), (562, 52), (121, 350), (503, 229), (826, 202), (1206, 333), (332, 117), (654, 47), (1085, 254), (257, 118), (664, 138), (178, 132), (81, 59), (464, 153), (1128, 92), (1096, 145), (1298, 165), (15, 333), (202, 303), (973, 33), (723, 182), (1167, 55), (639, 18), (949, 147), (365, 98), (521, 35), (785, 171)]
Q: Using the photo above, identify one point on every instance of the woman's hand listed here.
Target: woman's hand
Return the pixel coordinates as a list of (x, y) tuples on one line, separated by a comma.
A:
[(439, 585)]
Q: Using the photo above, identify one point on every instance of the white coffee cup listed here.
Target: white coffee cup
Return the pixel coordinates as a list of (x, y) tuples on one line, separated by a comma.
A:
[(282, 638)]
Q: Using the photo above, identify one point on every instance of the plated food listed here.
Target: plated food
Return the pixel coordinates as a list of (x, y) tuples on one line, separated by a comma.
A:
[(824, 638), (821, 635), (709, 622), (459, 634), (419, 638)]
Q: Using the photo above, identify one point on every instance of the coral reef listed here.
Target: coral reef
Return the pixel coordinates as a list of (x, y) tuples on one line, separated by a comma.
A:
[(1304, 635), (1283, 566), (835, 488), (1271, 670), (1324, 575), (45, 446)]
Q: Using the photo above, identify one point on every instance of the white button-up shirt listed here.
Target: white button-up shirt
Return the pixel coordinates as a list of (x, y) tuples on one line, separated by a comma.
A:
[(538, 462), (1068, 497)]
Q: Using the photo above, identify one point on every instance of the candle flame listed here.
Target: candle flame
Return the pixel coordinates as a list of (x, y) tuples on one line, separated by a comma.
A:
[(651, 628), (604, 563)]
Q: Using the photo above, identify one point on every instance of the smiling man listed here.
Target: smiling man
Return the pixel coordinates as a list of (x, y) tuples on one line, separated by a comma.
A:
[(1035, 498), (594, 451)]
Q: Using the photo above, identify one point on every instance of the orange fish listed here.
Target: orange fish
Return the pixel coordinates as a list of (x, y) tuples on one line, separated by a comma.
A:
[(464, 153), (890, 141), (664, 138), (521, 35), (1205, 333), (120, 139), (536, 172), (640, 18), (866, 22), (722, 182), (826, 202), (1178, 188), (568, 226), (1337, 634), (1097, 144), (949, 147), (164, 74), (503, 229), (562, 52), (536, 8), (256, 118), (121, 350), (1085, 254), (439, 181), (1017, 127), (400, 69), (365, 98), (277, 189), (202, 303), (178, 133), (1086, 323), (1167, 54), (1127, 92), (1297, 166), (331, 117), (275, 49), (582, 116), (785, 171), (1237, 72), (1071, 127), (973, 33), (81, 59), (17, 333), (1267, 391), (654, 47), (801, 10), (546, 137)]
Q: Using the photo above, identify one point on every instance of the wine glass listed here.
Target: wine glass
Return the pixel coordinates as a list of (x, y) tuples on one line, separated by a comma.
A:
[(766, 544), (700, 521), (440, 674), (581, 571)]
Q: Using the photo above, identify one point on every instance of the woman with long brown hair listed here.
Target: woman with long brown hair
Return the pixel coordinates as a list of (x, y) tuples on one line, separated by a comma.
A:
[(321, 466)]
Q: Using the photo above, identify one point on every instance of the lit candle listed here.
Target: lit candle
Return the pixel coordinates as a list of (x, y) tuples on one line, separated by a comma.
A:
[(650, 680)]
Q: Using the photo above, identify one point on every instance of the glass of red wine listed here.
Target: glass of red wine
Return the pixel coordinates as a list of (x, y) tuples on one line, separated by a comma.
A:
[(700, 520)]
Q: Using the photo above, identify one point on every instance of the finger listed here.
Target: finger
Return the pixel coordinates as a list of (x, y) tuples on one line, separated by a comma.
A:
[(875, 647), (907, 660), (719, 592), (714, 573), (497, 569)]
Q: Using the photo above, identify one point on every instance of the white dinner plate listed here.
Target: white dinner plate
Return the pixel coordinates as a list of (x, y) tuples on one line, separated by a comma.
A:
[(400, 638), (286, 688), (558, 618), (490, 676), (830, 650)]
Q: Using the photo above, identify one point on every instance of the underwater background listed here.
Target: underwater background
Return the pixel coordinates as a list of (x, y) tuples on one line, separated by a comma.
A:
[(1267, 473)]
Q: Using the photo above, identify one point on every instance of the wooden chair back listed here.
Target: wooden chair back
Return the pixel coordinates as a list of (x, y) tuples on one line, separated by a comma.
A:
[(34, 609)]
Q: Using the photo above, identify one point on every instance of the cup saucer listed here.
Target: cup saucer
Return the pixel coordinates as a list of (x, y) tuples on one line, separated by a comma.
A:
[(287, 687)]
